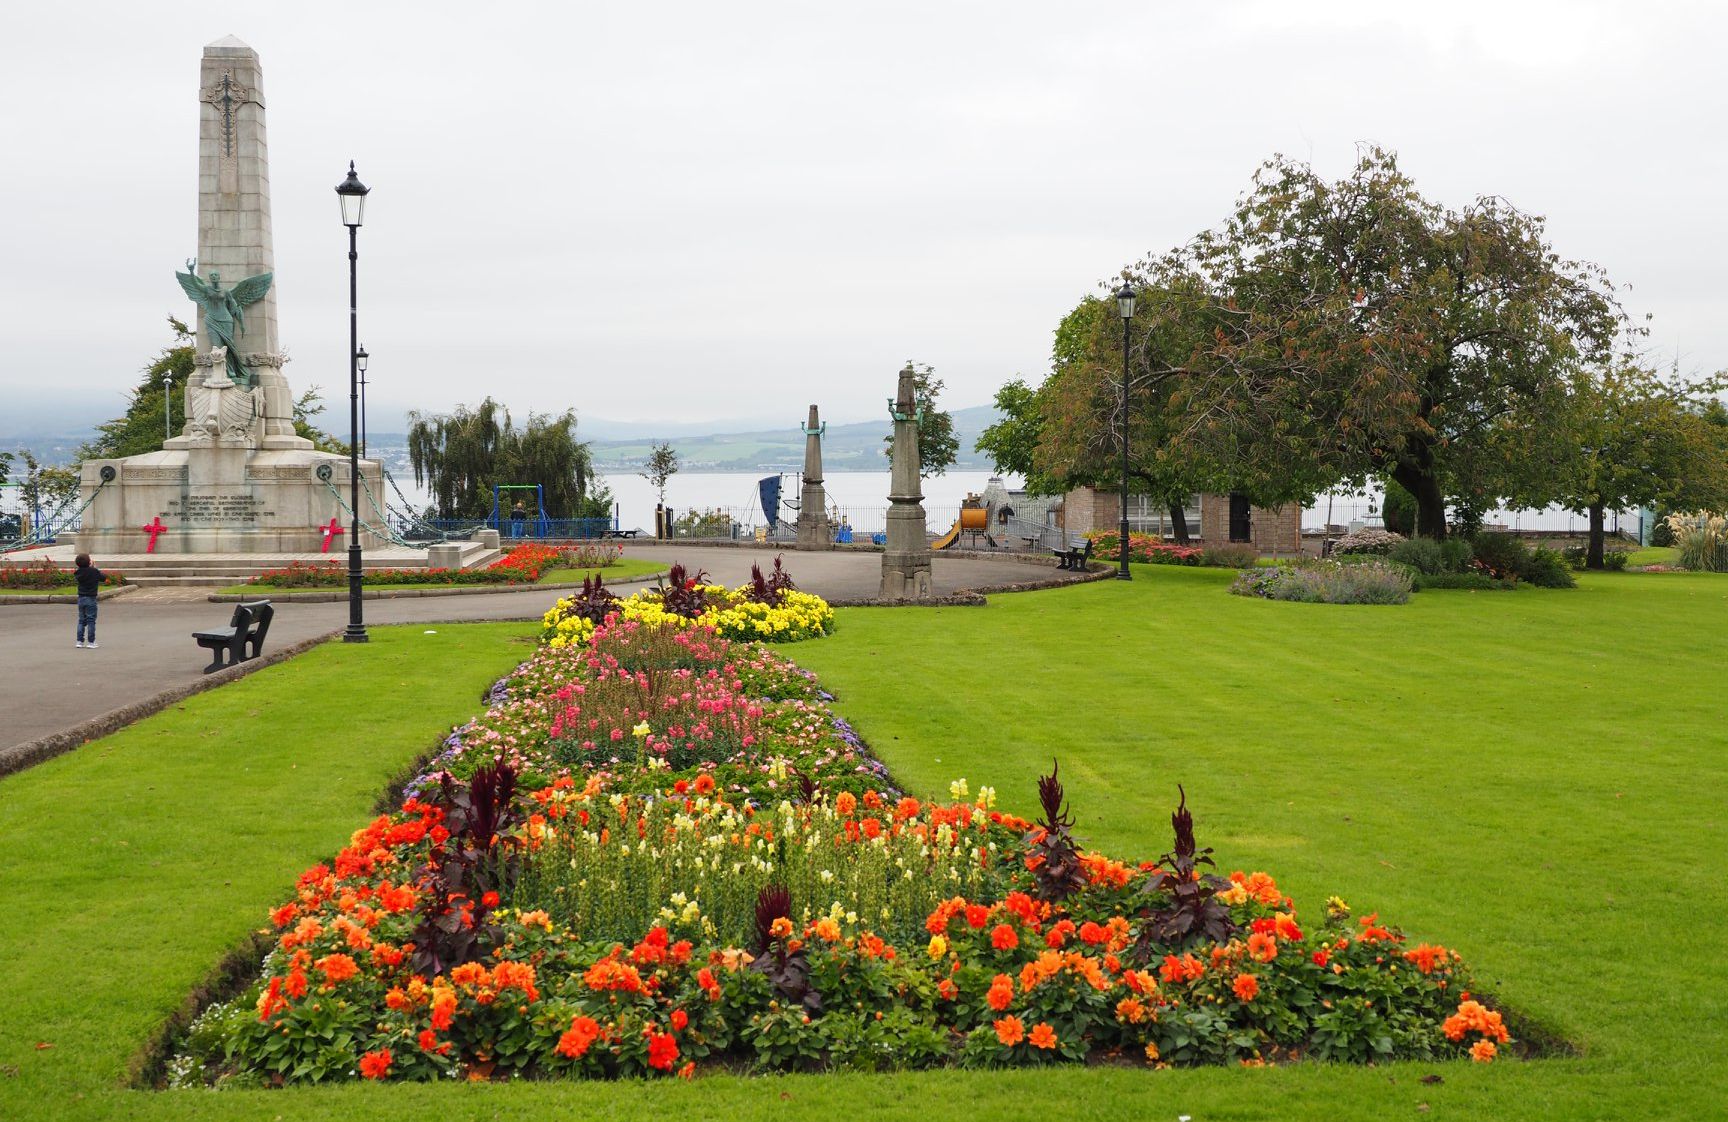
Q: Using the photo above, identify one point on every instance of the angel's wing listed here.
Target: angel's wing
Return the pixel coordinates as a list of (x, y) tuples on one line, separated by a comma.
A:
[(193, 287), (252, 289)]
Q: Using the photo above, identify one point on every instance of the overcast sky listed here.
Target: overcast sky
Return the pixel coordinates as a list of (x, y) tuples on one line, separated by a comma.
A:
[(728, 211)]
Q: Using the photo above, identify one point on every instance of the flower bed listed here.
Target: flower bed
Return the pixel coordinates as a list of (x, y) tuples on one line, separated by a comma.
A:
[(587, 885), (524, 564), (643, 705), (1144, 549), (47, 576), (769, 609)]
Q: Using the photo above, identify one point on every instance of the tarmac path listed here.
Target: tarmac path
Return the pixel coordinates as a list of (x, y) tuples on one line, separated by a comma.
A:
[(47, 685)]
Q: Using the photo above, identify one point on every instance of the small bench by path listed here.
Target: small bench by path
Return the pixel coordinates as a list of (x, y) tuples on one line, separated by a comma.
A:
[(243, 638), (1074, 558)]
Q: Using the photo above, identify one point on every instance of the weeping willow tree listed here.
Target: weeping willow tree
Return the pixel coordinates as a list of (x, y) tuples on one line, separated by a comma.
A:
[(461, 456)]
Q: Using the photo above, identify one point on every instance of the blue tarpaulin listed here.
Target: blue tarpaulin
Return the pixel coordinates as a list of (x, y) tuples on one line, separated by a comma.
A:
[(769, 489)]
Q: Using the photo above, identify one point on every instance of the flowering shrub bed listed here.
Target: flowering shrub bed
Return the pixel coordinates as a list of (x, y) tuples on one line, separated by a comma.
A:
[(524, 564), (1144, 548), (1328, 582), (769, 609), (1370, 541), (47, 576)]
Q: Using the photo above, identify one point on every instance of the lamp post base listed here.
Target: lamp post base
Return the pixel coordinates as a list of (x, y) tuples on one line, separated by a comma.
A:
[(356, 629)]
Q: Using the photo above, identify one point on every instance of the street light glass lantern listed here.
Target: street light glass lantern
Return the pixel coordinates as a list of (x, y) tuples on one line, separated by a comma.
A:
[(352, 194), (360, 356), (1125, 300)]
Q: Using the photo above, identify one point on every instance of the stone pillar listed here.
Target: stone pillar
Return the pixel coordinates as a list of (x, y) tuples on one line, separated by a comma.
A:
[(906, 562), (814, 532)]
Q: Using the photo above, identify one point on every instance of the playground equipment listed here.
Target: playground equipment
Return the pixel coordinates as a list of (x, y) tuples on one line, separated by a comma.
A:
[(974, 520), (527, 523)]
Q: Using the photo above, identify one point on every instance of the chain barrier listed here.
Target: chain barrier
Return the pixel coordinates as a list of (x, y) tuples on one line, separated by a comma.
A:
[(405, 511), (48, 528), (388, 534)]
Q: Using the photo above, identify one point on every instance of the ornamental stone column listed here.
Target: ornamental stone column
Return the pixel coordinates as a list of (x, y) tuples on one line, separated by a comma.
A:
[(814, 532), (906, 561)]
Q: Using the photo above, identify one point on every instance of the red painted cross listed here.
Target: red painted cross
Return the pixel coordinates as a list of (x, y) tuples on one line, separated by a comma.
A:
[(155, 530), (330, 532)]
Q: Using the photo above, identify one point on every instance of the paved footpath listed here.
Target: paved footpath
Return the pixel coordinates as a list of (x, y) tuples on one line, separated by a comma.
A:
[(47, 685)]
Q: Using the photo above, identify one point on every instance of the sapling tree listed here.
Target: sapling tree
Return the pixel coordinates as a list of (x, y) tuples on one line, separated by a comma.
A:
[(662, 465)]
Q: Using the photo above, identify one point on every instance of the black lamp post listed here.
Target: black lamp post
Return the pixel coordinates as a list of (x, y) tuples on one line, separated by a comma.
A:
[(360, 360), (352, 195), (1125, 306)]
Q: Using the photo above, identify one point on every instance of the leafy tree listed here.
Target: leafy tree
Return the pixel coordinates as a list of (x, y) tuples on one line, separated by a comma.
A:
[(45, 489), (1397, 509), (140, 429), (937, 444), (1011, 441), (462, 455), (662, 465), (1643, 442), (1080, 437), (1336, 330)]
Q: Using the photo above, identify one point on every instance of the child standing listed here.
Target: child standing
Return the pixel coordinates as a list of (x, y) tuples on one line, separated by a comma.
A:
[(89, 579)]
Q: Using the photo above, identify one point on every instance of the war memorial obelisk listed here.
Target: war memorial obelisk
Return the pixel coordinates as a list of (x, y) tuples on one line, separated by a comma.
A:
[(237, 479)]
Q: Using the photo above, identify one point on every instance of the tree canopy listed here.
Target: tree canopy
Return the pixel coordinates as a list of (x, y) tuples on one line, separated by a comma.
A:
[(1638, 441), (1334, 330), (461, 456), (937, 444), (140, 429)]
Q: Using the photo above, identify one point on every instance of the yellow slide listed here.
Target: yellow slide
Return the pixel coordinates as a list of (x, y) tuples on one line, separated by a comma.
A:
[(948, 539)]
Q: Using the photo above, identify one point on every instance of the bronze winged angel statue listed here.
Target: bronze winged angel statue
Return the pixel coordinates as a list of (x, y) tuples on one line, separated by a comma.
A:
[(224, 311)]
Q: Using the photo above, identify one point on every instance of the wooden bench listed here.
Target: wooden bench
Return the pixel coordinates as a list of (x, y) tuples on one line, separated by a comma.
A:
[(243, 638), (604, 534), (1074, 558)]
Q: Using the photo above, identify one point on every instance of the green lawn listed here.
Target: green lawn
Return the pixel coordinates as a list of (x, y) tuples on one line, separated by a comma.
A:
[(624, 569), (1536, 778), (620, 571), (1654, 555)]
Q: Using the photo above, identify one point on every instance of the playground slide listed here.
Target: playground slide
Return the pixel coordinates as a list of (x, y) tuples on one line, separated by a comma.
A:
[(948, 539)]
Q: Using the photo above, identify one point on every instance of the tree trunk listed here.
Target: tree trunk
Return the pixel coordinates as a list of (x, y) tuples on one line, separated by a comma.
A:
[(1593, 558), (1430, 502), (1179, 523)]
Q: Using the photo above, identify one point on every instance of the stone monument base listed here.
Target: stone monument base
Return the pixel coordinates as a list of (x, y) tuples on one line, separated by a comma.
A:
[(906, 576), (226, 498)]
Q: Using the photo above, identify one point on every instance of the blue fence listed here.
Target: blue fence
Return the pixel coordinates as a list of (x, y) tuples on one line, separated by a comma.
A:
[(530, 528)]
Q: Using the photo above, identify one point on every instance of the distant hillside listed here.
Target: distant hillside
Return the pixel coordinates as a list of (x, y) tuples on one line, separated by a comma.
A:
[(854, 447)]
